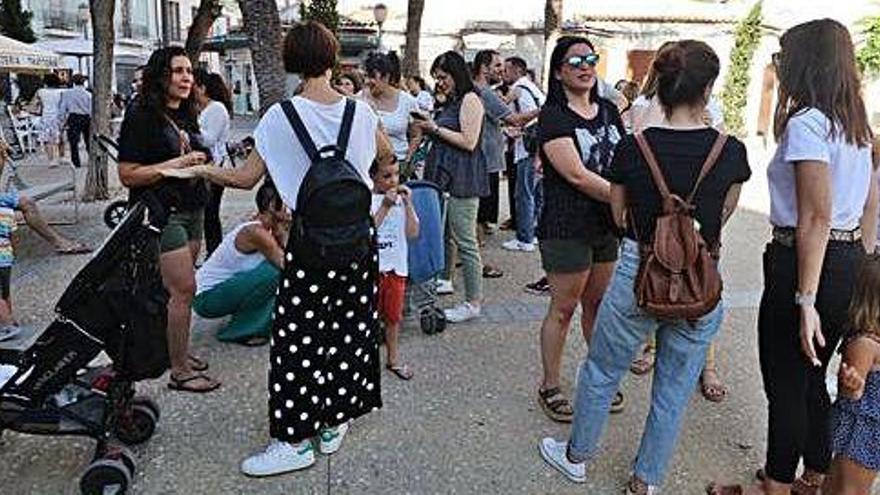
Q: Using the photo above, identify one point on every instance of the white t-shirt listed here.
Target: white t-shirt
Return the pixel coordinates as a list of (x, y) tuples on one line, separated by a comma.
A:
[(226, 261), (285, 157), (425, 101), (525, 103), (391, 238), (806, 138), (214, 126), (50, 101), (396, 123)]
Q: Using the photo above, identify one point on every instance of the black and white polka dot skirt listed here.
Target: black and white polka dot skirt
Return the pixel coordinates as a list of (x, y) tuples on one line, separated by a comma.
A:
[(324, 357)]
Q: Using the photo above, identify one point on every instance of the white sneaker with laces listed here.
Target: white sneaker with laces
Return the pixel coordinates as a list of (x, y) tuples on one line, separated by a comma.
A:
[(554, 454), (331, 439), (279, 457), (444, 287), (462, 313), (517, 245)]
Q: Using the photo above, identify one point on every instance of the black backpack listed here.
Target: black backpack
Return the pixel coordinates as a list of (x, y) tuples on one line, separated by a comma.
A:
[(331, 221)]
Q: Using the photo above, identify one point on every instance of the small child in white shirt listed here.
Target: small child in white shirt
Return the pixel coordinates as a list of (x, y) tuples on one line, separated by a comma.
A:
[(396, 221)]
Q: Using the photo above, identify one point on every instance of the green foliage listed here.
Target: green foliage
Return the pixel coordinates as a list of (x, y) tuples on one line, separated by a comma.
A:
[(736, 86), (16, 22), (868, 56), (323, 11)]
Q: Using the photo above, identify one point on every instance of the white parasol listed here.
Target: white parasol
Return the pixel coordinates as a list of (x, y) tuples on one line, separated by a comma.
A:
[(16, 56)]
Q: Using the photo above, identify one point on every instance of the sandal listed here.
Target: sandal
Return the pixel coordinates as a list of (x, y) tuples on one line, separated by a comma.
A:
[(555, 405), (801, 486), (403, 371), (73, 248), (716, 489), (635, 486), (492, 272), (249, 342), (711, 387), (185, 384), (197, 364), (643, 364)]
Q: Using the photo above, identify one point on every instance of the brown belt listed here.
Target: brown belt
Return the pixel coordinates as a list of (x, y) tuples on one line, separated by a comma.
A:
[(787, 235)]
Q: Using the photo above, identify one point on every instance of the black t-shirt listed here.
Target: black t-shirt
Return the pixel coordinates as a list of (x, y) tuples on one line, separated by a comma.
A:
[(681, 154), (147, 139), (568, 213)]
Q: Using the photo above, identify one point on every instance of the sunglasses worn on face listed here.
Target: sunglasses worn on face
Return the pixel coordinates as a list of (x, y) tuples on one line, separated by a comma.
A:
[(581, 62)]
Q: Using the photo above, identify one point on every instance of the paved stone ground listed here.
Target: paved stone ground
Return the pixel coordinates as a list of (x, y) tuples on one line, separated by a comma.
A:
[(468, 422)]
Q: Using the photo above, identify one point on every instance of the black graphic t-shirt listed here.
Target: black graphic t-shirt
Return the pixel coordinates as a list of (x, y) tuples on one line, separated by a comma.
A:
[(568, 213), (681, 154)]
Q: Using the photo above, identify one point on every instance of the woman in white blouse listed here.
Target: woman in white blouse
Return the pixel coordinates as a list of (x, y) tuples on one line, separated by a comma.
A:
[(215, 103)]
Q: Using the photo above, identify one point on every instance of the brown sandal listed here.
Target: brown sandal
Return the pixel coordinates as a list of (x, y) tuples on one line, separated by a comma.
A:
[(186, 384), (643, 364), (801, 486), (716, 489), (555, 405), (712, 390), (197, 364)]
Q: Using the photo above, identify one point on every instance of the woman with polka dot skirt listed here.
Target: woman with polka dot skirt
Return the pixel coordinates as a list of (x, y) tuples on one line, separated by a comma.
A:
[(324, 352)]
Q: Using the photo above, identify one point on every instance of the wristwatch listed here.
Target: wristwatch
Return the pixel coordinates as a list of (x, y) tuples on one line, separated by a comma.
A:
[(805, 299)]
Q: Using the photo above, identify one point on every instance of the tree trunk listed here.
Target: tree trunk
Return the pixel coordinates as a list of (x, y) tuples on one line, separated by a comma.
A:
[(104, 38), (209, 11), (552, 31), (263, 27), (413, 34)]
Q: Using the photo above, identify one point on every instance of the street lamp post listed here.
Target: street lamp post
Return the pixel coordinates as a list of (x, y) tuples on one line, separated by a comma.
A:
[(380, 13)]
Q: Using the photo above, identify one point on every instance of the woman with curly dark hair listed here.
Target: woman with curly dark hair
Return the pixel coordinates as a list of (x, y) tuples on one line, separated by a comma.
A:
[(160, 134)]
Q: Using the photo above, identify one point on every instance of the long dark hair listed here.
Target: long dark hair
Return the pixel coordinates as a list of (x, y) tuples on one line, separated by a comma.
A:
[(453, 64), (154, 87), (215, 88), (555, 90), (817, 68)]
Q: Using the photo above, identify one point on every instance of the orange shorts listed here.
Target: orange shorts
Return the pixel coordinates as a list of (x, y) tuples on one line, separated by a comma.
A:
[(392, 289)]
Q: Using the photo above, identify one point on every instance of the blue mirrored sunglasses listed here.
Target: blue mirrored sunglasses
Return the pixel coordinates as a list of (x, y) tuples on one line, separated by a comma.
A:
[(580, 62)]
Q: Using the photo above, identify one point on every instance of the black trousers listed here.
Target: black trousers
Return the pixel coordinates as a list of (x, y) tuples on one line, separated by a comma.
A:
[(488, 210), (213, 228), (511, 184), (799, 404), (77, 125)]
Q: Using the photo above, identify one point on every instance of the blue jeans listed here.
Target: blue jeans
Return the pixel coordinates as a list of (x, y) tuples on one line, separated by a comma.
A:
[(525, 200), (621, 330)]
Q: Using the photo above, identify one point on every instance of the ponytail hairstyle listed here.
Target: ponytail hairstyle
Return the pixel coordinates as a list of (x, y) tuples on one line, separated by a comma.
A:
[(555, 90), (817, 68), (685, 70), (649, 85)]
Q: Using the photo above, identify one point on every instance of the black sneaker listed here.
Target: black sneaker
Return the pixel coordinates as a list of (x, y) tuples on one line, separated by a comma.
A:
[(539, 288)]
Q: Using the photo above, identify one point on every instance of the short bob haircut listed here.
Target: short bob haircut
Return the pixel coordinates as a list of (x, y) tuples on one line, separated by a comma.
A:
[(310, 50), (453, 64)]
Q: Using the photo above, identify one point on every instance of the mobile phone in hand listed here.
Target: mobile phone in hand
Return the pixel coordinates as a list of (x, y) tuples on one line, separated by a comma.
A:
[(418, 116)]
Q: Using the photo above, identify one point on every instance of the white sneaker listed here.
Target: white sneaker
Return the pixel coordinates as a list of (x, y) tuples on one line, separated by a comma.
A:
[(279, 457), (553, 453), (331, 439), (444, 287), (462, 313), (516, 245)]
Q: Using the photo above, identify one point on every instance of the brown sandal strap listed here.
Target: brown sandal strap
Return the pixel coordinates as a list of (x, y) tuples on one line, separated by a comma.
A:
[(555, 401)]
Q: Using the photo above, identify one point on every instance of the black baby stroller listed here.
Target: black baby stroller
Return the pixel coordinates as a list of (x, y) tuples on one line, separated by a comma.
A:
[(117, 304)]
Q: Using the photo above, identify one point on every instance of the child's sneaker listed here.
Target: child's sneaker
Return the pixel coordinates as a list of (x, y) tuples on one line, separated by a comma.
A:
[(279, 457), (462, 313), (554, 453), (331, 439)]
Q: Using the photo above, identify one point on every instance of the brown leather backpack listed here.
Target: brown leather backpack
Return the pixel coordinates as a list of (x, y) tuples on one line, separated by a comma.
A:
[(678, 274)]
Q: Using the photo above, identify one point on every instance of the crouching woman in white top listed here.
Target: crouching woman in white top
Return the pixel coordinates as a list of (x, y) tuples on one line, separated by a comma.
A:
[(241, 276)]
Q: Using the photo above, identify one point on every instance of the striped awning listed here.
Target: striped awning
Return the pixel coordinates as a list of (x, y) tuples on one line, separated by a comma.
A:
[(16, 56)]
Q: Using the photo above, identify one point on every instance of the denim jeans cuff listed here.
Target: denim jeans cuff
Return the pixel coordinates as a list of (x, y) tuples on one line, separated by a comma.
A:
[(578, 456)]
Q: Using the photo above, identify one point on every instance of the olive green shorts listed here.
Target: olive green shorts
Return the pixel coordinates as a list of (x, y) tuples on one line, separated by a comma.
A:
[(183, 227), (577, 255)]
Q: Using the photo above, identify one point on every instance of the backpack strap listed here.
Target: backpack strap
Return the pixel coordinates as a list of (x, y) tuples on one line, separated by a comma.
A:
[(345, 128), (654, 167), (299, 129), (711, 160)]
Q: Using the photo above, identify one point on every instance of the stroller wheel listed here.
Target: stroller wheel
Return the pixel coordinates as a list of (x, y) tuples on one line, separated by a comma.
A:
[(136, 425), (104, 474), (115, 212), (147, 402), (432, 321)]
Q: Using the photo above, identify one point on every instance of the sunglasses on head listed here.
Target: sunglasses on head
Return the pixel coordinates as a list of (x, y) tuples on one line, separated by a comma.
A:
[(583, 61)]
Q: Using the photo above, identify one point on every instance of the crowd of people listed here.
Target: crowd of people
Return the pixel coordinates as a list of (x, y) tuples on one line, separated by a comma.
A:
[(595, 175)]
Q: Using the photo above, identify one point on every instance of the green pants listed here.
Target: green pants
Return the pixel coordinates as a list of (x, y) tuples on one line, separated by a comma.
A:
[(461, 236), (248, 296)]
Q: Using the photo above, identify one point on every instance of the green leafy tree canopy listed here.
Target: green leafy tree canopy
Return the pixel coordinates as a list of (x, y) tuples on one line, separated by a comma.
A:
[(15, 22), (323, 11), (868, 55), (736, 86)]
